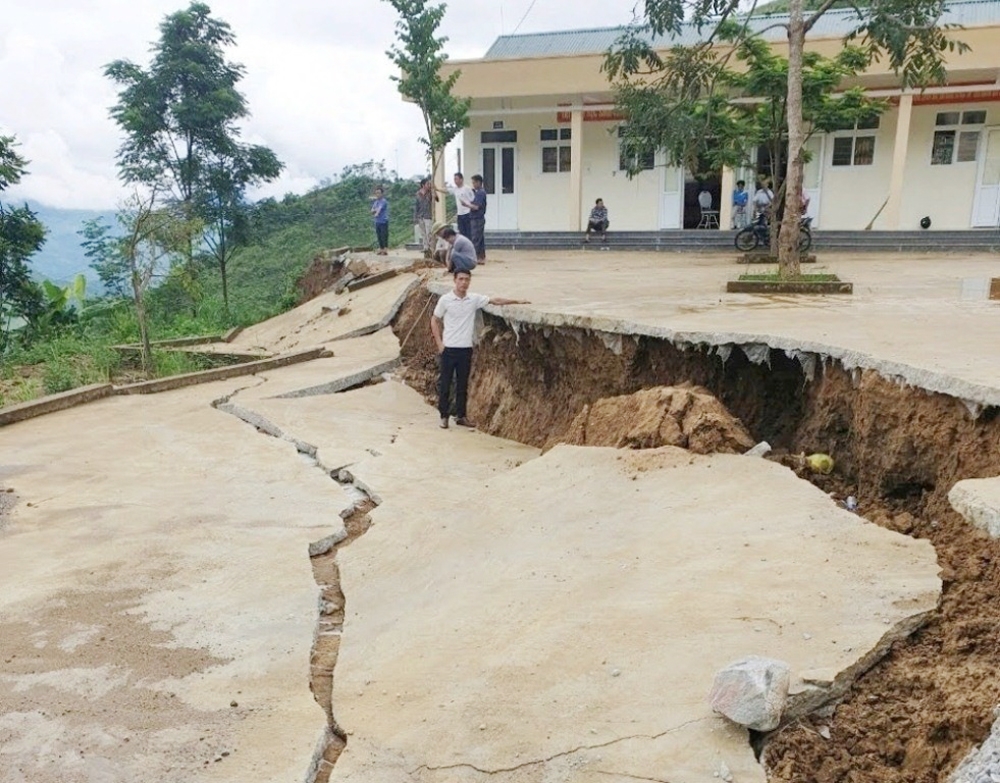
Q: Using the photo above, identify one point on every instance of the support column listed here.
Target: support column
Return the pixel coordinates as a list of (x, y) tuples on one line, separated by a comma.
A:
[(576, 171), (726, 198), (894, 205)]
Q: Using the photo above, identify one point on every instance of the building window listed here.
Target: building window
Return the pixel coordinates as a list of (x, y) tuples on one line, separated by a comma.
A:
[(956, 137), (556, 152), (641, 161), (855, 144)]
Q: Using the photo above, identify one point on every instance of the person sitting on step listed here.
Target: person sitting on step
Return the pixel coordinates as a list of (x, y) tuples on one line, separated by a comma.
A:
[(598, 221)]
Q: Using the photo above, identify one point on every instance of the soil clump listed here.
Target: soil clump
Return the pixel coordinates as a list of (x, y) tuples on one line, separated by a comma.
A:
[(683, 416), (898, 450)]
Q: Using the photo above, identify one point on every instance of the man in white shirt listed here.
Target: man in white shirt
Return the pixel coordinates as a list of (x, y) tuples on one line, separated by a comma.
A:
[(763, 199), (453, 325), (463, 198)]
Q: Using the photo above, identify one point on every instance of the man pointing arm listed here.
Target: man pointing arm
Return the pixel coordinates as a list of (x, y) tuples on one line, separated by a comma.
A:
[(453, 325)]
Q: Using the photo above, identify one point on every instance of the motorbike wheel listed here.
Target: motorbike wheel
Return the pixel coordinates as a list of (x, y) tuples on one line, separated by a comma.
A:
[(746, 239), (805, 239)]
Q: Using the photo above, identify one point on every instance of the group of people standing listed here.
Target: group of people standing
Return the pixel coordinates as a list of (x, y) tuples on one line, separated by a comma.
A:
[(763, 203), (470, 204)]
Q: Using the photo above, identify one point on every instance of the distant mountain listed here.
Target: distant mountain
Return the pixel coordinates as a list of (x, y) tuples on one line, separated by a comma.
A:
[(61, 257)]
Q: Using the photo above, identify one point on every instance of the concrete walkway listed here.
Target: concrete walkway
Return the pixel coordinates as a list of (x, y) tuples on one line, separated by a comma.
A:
[(924, 319)]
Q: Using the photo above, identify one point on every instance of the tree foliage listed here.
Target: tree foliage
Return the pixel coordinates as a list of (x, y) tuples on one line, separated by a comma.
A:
[(180, 119), (680, 98), (21, 236), (419, 55)]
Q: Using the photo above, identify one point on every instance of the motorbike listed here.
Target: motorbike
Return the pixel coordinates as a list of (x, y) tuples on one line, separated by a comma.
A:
[(759, 234)]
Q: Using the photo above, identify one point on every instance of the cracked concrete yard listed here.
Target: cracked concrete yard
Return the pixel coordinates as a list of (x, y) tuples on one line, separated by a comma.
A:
[(508, 614)]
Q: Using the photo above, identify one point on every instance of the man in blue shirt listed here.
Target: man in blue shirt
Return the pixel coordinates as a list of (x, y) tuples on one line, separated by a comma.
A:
[(477, 215), (740, 200), (380, 212)]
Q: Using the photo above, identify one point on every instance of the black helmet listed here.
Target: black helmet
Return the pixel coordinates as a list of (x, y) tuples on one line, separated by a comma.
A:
[(925, 222)]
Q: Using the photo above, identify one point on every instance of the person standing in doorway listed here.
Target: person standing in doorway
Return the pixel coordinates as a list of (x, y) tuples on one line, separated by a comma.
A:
[(477, 218), (380, 213), (453, 325), (463, 197), (423, 213), (763, 200)]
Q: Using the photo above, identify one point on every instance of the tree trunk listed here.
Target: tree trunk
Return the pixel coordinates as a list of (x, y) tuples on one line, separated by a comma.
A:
[(438, 180), (140, 316), (225, 287), (788, 244)]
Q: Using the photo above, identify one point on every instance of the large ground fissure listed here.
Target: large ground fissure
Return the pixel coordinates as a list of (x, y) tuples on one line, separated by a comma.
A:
[(898, 450)]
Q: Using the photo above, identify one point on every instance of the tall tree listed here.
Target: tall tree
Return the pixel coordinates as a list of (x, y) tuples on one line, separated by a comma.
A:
[(906, 33), (21, 236), (180, 119), (419, 55)]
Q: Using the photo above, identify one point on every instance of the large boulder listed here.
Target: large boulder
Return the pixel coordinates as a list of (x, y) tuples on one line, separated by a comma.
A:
[(685, 416), (752, 692)]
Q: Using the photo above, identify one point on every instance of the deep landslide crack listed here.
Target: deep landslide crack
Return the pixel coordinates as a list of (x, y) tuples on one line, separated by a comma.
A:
[(915, 714), (326, 572)]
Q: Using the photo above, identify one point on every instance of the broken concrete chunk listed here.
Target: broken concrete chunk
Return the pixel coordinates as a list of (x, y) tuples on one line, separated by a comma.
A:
[(752, 692), (978, 501), (762, 449), (358, 267), (324, 545), (341, 285)]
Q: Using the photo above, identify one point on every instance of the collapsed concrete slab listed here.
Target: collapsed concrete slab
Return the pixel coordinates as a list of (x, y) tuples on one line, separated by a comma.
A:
[(566, 619), (328, 317), (978, 500), (156, 597)]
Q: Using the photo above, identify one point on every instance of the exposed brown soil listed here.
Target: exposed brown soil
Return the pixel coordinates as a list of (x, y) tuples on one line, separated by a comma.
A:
[(320, 275), (897, 449), (684, 416), (326, 646)]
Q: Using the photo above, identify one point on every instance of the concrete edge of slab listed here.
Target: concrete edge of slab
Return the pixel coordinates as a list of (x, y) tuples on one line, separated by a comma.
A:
[(223, 373), (384, 322), (974, 508), (54, 402), (755, 346), (342, 384)]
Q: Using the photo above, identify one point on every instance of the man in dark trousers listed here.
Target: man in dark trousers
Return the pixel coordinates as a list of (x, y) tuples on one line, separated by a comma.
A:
[(477, 218), (453, 325)]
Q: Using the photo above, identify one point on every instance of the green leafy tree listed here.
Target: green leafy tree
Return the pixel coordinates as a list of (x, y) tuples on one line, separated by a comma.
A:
[(102, 249), (180, 119), (21, 236), (223, 206), (905, 33), (419, 55)]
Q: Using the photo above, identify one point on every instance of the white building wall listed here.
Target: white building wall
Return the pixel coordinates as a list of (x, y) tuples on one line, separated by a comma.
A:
[(850, 195), (944, 193)]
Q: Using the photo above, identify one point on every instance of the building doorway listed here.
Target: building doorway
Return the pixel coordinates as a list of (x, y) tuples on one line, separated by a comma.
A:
[(500, 182), (711, 183)]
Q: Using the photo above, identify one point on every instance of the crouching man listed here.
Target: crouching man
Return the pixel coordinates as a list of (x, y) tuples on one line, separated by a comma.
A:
[(453, 325)]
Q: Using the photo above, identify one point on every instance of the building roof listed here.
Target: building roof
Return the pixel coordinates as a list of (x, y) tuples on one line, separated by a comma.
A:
[(833, 24)]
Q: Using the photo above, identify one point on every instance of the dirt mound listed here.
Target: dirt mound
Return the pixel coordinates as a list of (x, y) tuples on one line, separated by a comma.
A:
[(685, 416), (325, 270)]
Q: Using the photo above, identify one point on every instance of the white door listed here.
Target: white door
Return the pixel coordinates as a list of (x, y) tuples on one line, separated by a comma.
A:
[(812, 176), (986, 207), (671, 196), (499, 180)]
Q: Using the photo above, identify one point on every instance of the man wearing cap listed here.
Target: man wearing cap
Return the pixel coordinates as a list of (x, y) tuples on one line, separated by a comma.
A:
[(453, 325), (461, 252)]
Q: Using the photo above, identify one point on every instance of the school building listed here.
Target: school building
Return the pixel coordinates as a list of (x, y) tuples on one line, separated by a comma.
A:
[(544, 135)]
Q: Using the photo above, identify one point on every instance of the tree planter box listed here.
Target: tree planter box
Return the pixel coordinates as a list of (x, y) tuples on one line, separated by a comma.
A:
[(764, 257), (788, 287)]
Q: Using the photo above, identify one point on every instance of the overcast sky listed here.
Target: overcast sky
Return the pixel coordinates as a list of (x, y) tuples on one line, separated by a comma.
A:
[(317, 81)]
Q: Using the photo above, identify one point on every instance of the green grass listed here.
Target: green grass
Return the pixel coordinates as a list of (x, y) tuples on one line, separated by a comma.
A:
[(774, 277)]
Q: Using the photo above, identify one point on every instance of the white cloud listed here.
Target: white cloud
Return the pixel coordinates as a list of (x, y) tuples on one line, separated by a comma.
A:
[(318, 81)]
